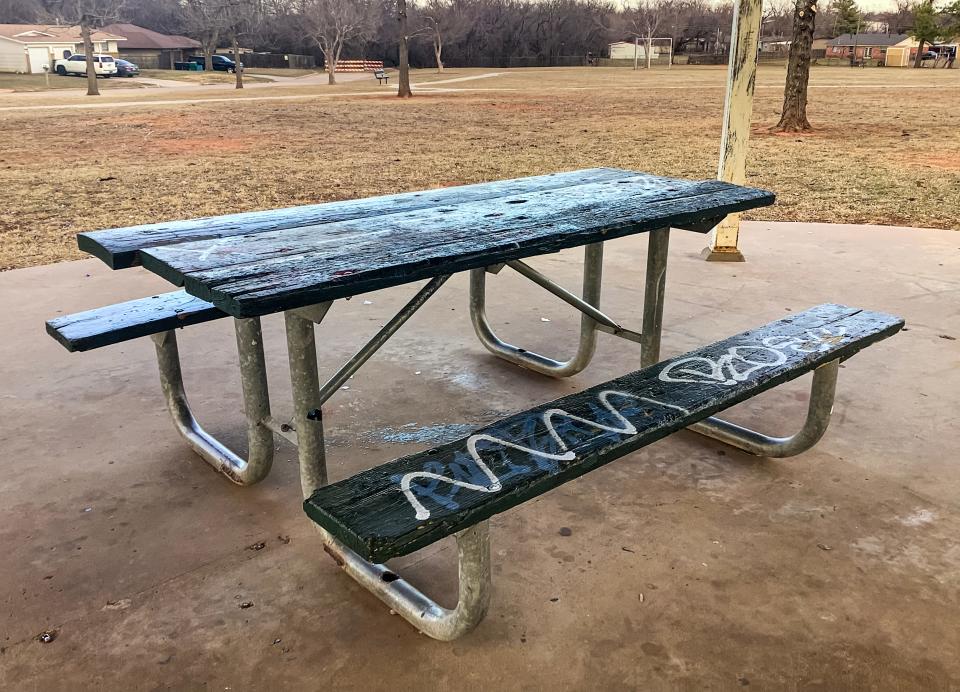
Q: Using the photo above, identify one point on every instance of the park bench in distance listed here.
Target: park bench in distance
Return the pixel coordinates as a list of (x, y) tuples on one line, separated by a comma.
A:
[(382, 77)]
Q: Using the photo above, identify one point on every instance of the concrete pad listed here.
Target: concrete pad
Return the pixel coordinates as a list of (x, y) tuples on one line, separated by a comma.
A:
[(687, 565)]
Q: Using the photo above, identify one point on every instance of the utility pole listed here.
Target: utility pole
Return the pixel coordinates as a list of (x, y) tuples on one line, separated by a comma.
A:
[(737, 111)]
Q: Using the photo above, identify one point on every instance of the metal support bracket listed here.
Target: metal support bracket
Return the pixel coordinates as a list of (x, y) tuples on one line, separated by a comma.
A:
[(256, 404), (822, 392), (592, 320), (431, 619), (592, 278), (473, 544)]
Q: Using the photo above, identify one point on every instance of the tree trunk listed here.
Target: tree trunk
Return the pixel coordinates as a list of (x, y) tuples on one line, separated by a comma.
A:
[(404, 89), (794, 116), (636, 52), (208, 47), (437, 50), (330, 60), (93, 88), (238, 71), (649, 49), (919, 58)]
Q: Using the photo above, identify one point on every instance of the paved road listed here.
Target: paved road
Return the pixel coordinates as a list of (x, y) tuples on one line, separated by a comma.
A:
[(194, 89)]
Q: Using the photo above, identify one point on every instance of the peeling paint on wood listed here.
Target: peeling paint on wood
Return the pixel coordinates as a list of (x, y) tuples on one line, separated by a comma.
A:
[(118, 247), (737, 113)]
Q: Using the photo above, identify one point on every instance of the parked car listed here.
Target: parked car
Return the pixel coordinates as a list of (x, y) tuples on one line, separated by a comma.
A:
[(125, 68), (930, 55), (103, 65), (221, 63)]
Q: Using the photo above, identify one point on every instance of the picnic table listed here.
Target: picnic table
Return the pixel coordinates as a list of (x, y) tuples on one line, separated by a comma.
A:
[(300, 260)]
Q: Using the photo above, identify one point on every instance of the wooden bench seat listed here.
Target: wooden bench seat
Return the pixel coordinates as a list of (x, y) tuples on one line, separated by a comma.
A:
[(113, 324), (409, 503)]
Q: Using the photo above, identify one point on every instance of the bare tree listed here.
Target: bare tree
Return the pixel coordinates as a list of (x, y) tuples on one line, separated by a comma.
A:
[(207, 21), (242, 19), (331, 24), (403, 89), (794, 115), (90, 15), (645, 18), (443, 21), (21, 11)]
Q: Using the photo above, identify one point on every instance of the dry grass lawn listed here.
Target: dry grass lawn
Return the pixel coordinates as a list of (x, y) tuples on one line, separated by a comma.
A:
[(886, 148), (37, 82), (200, 77)]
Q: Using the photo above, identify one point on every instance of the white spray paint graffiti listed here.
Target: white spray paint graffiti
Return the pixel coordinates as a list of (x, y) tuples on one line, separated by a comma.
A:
[(736, 365), (566, 454), (739, 362)]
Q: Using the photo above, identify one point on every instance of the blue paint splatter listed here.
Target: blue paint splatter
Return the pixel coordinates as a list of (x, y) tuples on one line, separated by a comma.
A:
[(411, 433)]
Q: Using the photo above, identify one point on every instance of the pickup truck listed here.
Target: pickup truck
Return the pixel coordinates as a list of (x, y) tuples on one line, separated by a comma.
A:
[(103, 65), (221, 63)]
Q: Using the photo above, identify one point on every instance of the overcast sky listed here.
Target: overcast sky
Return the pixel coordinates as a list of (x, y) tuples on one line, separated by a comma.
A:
[(877, 5)]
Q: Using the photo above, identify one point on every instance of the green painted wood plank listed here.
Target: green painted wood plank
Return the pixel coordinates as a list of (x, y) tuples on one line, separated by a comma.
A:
[(83, 331), (273, 271), (118, 247), (411, 502)]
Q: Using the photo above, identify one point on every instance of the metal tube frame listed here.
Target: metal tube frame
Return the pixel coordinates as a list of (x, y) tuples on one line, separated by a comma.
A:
[(473, 544), (592, 320), (256, 405), (822, 391)]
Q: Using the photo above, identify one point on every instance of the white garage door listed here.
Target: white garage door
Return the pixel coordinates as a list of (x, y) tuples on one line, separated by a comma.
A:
[(38, 58)]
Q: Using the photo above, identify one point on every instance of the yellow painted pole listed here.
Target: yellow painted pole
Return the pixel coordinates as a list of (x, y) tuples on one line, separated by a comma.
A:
[(737, 111)]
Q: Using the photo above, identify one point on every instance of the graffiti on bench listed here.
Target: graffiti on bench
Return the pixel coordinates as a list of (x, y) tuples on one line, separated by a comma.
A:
[(469, 471)]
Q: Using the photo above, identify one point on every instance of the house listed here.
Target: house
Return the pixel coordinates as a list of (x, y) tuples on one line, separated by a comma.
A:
[(625, 50), (873, 47), (774, 45), (152, 50), (28, 47)]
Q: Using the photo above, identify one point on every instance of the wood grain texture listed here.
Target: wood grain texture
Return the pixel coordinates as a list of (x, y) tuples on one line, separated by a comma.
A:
[(119, 247), (83, 331), (277, 270), (521, 457)]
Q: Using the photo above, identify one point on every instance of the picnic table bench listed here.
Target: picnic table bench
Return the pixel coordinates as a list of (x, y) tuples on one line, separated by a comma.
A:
[(300, 260), (382, 77)]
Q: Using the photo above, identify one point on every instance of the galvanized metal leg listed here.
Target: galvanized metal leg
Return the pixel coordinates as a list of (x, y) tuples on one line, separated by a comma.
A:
[(592, 280), (473, 544), (307, 413), (818, 418), (653, 296), (256, 401), (473, 557)]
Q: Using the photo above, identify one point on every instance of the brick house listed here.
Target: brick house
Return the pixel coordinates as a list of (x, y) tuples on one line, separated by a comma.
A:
[(870, 46)]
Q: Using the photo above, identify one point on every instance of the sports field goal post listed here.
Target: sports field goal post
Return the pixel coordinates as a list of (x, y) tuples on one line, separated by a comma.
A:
[(661, 52)]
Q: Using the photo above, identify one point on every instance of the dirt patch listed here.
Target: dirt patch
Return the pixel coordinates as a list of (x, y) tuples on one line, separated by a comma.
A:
[(199, 145), (943, 162)]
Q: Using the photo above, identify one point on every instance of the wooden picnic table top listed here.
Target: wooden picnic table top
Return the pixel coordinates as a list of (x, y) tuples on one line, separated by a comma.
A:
[(262, 262)]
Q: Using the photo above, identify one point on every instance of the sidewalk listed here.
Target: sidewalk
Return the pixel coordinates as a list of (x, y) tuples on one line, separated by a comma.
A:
[(686, 565)]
